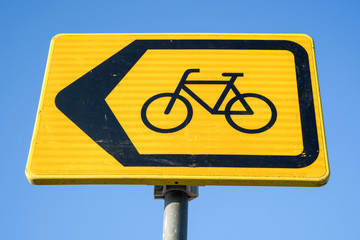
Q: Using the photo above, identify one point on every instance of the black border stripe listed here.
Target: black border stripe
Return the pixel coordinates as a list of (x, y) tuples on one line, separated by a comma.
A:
[(83, 102)]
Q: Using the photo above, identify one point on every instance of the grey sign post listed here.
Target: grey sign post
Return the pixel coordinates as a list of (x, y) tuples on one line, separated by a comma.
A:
[(175, 209)]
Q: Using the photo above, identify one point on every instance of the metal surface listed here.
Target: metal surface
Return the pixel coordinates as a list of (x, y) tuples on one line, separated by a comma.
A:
[(175, 215), (160, 191), (237, 109)]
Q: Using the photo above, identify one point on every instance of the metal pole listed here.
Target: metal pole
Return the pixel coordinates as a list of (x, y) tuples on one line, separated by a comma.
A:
[(176, 209), (175, 216)]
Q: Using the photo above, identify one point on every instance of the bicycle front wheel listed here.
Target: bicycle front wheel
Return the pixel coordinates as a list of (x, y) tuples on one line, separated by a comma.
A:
[(154, 117), (266, 107)]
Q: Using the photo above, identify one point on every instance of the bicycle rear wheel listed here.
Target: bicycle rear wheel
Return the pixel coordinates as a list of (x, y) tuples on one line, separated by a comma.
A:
[(161, 129)]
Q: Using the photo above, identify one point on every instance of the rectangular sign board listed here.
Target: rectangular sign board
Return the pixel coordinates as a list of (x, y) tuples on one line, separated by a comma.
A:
[(187, 109)]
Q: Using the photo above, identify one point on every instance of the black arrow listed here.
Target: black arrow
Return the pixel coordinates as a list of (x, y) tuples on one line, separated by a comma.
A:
[(83, 102)]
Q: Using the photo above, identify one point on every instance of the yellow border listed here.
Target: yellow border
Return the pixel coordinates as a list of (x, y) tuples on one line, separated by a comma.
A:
[(41, 101), (322, 127), (169, 180)]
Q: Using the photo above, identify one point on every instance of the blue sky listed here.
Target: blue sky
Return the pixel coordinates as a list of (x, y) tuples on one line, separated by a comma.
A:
[(130, 212)]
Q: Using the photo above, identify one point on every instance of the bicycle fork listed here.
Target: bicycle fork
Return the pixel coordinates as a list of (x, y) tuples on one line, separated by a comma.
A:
[(234, 76)]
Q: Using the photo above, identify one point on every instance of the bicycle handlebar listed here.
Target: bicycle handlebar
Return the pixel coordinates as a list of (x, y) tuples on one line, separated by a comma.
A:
[(233, 74)]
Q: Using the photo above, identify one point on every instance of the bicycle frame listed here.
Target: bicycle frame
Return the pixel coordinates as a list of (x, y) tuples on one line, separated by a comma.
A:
[(215, 110)]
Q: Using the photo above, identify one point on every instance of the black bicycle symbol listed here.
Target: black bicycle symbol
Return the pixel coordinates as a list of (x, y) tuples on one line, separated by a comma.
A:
[(215, 110)]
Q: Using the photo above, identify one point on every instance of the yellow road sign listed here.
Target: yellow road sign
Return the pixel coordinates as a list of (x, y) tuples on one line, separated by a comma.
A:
[(187, 109)]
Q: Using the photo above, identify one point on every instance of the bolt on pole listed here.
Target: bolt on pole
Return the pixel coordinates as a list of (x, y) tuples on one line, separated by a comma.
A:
[(175, 209)]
